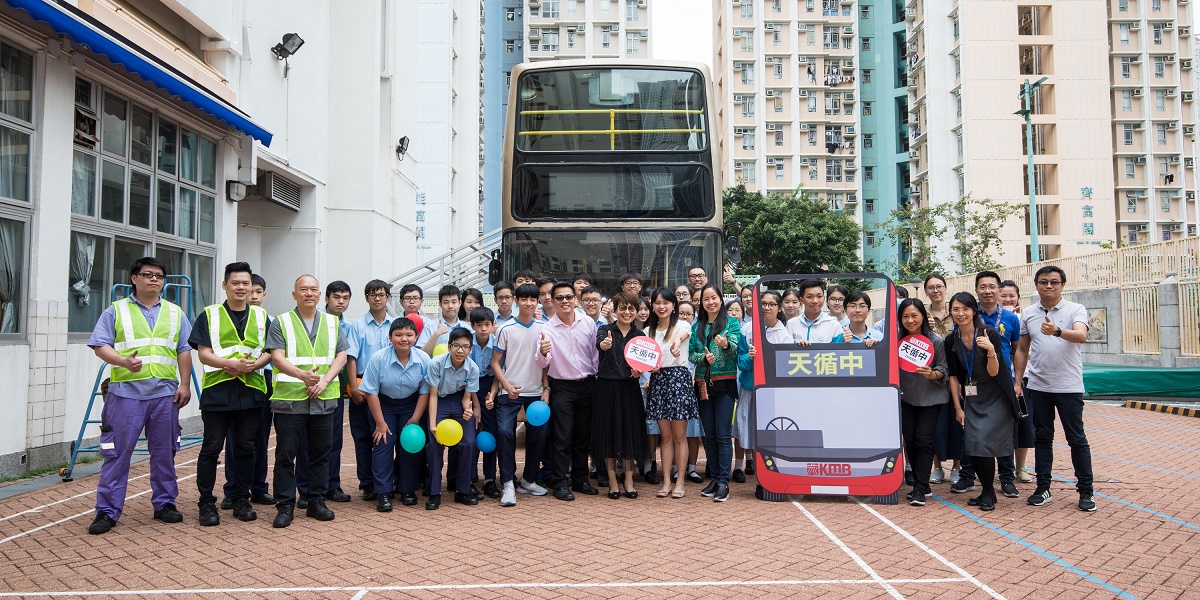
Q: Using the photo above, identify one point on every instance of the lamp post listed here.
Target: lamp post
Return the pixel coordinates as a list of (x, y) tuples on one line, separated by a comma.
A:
[(1026, 95)]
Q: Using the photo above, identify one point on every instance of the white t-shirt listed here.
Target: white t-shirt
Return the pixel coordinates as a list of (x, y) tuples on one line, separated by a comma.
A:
[(519, 343), (1055, 365), (664, 340)]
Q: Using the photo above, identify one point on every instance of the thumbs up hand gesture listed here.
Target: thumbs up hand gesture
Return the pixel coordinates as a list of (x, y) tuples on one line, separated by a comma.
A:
[(544, 345), (608, 342), (1048, 328), (133, 363)]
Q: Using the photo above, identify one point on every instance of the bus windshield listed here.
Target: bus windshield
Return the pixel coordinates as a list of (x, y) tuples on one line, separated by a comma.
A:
[(616, 191), (662, 258), (611, 109)]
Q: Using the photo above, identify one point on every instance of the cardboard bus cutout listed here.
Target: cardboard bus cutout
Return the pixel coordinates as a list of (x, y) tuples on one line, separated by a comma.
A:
[(826, 417)]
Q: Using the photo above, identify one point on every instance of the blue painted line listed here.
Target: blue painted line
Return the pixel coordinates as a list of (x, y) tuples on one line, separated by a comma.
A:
[(1135, 506), (1140, 422), (1134, 462), (1143, 440), (1043, 553)]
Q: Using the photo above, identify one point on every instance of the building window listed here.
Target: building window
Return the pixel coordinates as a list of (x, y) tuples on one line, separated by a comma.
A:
[(1127, 134), (779, 171), (778, 102), (632, 43), (550, 40), (1130, 168), (833, 103), (808, 5), (747, 171), (832, 37), (957, 105), (748, 106), (833, 170), (12, 270), (748, 40), (829, 8), (1131, 202), (550, 9), (1156, 5), (631, 11), (1132, 237), (1160, 100), (147, 188), (1164, 201), (866, 75), (870, 238), (1166, 233), (1122, 5), (747, 73), (812, 102), (510, 46), (869, 175), (778, 69), (1123, 34), (16, 122), (868, 141), (866, 44), (570, 39), (778, 137), (958, 140), (865, 11), (508, 79), (606, 41), (1161, 130), (957, 68), (869, 203), (510, 14), (1160, 66), (776, 37), (954, 26), (1126, 100), (812, 136), (812, 171), (777, 6), (747, 10), (867, 109), (748, 140), (1126, 66), (1156, 34)]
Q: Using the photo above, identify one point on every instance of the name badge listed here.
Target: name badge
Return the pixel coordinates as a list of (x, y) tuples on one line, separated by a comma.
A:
[(972, 389)]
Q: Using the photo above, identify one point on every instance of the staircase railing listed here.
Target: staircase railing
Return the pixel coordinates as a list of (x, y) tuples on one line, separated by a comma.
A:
[(465, 266)]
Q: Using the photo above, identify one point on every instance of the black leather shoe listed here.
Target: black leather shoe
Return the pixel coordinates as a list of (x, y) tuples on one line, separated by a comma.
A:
[(318, 510), (243, 511), (563, 493), (284, 518), (908, 478), (759, 492), (302, 502), (602, 481), (260, 499), (738, 476), (694, 477), (651, 477), (227, 503), (168, 514), (585, 488), (490, 490), (466, 499), (476, 494), (102, 524), (722, 493), (408, 499), (750, 468), (976, 501), (614, 495), (337, 495), (383, 503), (370, 496), (434, 502), (709, 489), (209, 515), (987, 503)]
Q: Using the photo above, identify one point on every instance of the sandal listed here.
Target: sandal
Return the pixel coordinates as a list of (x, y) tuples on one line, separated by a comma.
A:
[(663, 493), (677, 494)]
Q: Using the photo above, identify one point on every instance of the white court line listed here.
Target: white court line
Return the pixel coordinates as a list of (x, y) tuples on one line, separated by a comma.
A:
[(360, 594), (893, 592), (479, 586), (80, 495), (86, 512), (983, 586)]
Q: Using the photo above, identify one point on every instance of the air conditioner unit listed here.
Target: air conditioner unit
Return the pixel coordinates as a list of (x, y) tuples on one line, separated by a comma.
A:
[(848, 63), (1168, 26), (1136, 25), (803, 93), (1191, 228), (739, 130), (581, 30), (851, 198), (1137, 93), (1170, 60), (1187, 96), (1185, 31), (1176, 227), (1190, 195), (772, 126), (1189, 129), (641, 2), (273, 188), (535, 34), (848, 30), (804, 162), (570, 30), (771, 93), (851, 166), (914, 193), (616, 26), (804, 127), (1171, 93), (1172, 126), (1141, 160), (802, 27), (914, 154), (849, 97), (737, 98), (769, 27), (910, 14), (770, 162), (851, 130), (1185, 63), (643, 34), (1175, 159), (1142, 228), (737, 33)]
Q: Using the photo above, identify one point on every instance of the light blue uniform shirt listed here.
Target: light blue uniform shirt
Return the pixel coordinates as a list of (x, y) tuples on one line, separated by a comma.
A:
[(387, 375), (871, 334), (502, 321), (369, 337), (482, 355), (448, 380), (445, 337)]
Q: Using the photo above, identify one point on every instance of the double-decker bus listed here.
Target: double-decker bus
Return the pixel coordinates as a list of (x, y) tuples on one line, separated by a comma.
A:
[(609, 168)]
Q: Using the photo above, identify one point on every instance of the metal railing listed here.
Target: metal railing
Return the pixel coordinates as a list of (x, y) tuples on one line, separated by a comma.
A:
[(465, 266)]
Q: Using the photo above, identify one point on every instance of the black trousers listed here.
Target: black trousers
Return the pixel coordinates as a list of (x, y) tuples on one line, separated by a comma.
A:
[(571, 422), (289, 429), (244, 425), (985, 468), (919, 424), (258, 485)]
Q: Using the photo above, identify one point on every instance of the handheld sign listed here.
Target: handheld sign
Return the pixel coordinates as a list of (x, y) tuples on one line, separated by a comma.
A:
[(916, 351), (643, 354)]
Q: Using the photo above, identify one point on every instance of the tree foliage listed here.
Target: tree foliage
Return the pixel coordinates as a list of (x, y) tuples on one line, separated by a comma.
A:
[(972, 228), (791, 233)]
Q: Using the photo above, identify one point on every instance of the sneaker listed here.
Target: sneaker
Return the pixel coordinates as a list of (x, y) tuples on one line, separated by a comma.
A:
[(532, 488), (102, 524), (490, 490), (243, 511), (1023, 476), (1009, 490), (962, 486), (1087, 503), (509, 497), (953, 476), (721, 494), (938, 475), (1041, 497), (709, 489), (168, 514), (209, 515), (916, 498)]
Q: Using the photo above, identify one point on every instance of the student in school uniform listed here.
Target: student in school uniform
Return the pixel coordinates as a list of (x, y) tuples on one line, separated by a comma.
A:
[(448, 302), (812, 325), (776, 333), (858, 310), (396, 396), (502, 294), (519, 368), (453, 384), (412, 297), (371, 333), (483, 345)]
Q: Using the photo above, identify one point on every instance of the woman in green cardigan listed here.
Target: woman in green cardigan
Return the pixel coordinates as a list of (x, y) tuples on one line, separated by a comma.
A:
[(713, 348)]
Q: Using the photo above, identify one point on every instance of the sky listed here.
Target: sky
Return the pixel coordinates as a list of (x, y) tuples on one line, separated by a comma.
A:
[(682, 30)]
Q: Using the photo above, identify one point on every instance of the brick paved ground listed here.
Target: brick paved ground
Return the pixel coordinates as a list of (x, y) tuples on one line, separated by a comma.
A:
[(1143, 542)]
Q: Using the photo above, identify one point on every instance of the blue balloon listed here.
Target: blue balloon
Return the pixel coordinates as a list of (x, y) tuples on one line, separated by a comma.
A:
[(485, 441), (537, 413)]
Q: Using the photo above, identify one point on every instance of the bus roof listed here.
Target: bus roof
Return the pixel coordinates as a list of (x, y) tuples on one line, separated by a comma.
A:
[(545, 65)]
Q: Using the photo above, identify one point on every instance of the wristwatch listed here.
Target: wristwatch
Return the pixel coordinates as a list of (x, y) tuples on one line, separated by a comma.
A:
[(1058, 332)]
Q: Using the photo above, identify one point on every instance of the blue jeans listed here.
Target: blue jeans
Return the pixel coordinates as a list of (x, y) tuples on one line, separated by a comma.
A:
[(716, 414), (506, 438), (386, 455), (1070, 412)]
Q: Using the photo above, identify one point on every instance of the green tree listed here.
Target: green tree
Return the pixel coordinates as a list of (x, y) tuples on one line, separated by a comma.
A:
[(791, 233), (971, 226)]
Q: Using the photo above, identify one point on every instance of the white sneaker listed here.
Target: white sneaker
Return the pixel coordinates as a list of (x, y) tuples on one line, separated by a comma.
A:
[(509, 497), (938, 476), (529, 487), (953, 476)]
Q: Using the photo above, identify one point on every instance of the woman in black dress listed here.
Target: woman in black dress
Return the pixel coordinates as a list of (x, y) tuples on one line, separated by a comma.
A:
[(618, 416), (982, 391)]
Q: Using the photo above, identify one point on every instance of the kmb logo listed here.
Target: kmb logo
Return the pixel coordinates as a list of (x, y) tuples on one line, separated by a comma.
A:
[(829, 469)]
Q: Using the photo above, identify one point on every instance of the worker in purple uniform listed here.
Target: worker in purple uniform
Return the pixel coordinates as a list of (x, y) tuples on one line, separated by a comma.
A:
[(144, 338)]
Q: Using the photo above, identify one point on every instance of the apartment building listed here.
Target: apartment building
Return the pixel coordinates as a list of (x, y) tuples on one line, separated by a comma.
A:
[(786, 78), (1154, 119)]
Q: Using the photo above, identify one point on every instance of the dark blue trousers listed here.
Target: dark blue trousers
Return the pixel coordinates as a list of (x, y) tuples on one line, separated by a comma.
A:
[(386, 455), (507, 409), (450, 407)]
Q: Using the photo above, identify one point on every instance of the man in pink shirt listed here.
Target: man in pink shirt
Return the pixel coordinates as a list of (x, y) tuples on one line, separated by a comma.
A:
[(568, 349)]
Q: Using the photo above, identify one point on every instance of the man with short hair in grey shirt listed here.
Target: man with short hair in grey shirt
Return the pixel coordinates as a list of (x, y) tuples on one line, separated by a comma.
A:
[(1049, 362)]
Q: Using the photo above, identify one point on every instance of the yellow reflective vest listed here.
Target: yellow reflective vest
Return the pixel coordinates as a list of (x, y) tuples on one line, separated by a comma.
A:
[(226, 343), (156, 348), (305, 355)]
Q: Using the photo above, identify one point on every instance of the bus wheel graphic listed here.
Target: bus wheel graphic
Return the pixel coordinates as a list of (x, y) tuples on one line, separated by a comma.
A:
[(782, 424)]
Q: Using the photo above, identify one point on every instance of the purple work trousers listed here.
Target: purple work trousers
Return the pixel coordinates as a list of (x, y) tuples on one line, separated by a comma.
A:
[(121, 424)]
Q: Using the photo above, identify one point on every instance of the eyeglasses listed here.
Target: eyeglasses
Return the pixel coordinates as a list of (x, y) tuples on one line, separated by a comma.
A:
[(632, 283), (460, 348), (380, 296), (837, 300), (857, 306), (696, 276), (504, 298), (934, 288), (591, 301), (150, 275), (411, 298), (627, 308), (769, 304), (563, 297), (1050, 282)]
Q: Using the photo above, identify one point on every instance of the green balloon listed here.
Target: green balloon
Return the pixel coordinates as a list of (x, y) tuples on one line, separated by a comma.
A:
[(412, 438)]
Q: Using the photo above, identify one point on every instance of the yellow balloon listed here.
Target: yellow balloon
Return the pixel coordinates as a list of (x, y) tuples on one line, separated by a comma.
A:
[(449, 432), (440, 349)]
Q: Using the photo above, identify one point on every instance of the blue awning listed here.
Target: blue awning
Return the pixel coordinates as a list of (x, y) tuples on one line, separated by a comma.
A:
[(87, 31)]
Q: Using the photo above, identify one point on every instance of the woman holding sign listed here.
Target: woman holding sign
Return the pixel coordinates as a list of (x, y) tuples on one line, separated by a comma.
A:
[(618, 417), (923, 391), (982, 390), (671, 401)]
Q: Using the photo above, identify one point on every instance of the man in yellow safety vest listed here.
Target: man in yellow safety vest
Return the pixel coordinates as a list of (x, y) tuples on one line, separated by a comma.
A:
[(144, 338)]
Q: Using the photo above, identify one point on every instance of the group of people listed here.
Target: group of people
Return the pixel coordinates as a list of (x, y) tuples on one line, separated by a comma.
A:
[(396, 378)]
